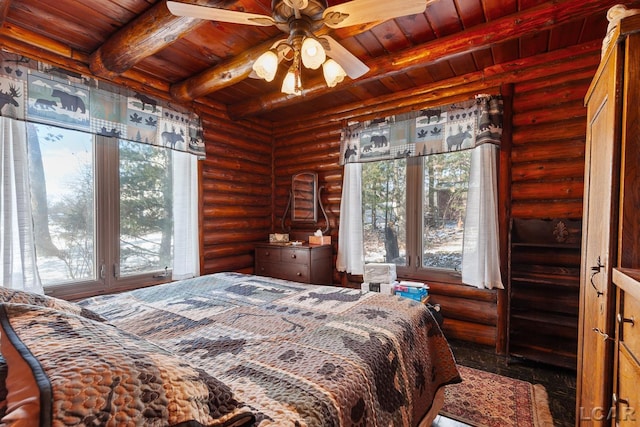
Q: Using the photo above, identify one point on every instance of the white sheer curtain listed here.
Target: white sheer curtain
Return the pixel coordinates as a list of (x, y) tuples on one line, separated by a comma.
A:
[(186, 258), (17, 248), (350, 236), (481, 253)]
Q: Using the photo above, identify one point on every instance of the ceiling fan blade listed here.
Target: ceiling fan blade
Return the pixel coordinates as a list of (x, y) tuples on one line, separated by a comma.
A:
[(347, 60), (357, 12), (215, 14)]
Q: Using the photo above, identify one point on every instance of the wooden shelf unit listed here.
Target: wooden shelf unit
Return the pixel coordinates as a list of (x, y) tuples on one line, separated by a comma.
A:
[(544, 275)]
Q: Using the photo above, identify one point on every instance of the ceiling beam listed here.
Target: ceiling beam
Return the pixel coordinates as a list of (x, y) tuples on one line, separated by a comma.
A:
[(4, 9), (530, 21), (146, 35), (224, 74)]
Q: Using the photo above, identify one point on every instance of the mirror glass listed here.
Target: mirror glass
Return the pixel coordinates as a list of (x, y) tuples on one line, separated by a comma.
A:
[(304, 187)]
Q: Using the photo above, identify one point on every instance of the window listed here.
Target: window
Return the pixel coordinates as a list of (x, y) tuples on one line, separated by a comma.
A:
[(384, 200), (146, 223), (444, 204), (414, 211), (102, 211)]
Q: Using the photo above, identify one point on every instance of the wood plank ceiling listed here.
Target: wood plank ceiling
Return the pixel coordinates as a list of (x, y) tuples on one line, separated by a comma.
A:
[(140, 44)]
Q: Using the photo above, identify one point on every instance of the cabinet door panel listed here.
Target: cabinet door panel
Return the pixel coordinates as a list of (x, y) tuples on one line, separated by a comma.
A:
[(598, 245)]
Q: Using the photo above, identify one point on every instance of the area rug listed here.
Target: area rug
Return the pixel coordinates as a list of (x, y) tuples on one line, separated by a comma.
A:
[(484, 399)]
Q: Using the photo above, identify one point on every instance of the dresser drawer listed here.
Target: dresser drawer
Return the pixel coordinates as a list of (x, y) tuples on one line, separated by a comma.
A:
[(264, 268), (292, 255), (268, 254), (295, 272), (630, 324)]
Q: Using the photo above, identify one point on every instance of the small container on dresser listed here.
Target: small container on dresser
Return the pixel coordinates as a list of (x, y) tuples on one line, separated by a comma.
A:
[(302, 263)]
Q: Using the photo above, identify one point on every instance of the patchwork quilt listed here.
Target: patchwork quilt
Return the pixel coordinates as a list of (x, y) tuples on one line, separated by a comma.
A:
[(294, 354)]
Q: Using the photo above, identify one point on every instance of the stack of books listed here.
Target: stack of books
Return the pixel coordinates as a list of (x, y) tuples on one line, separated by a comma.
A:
[(415, 290)]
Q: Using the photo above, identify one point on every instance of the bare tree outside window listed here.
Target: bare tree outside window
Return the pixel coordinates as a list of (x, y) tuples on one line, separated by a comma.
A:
[(384, 211), (62, 194)]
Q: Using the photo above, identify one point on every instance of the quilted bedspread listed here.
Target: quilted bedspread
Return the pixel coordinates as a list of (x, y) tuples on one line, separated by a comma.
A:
[(296, 354)]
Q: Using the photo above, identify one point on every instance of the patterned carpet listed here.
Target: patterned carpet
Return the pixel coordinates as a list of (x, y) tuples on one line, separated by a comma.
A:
[(484, 399)]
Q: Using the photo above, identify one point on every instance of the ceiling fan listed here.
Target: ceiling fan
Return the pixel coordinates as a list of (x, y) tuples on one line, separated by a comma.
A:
[(301, 19)]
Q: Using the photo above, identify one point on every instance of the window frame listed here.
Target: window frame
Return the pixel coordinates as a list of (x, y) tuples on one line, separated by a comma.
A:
[(414, 195), (107, 233)]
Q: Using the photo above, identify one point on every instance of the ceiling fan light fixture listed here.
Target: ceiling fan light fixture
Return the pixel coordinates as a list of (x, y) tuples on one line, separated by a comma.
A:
[(333, 72), (266, 65), (313, 54), (292, 83)]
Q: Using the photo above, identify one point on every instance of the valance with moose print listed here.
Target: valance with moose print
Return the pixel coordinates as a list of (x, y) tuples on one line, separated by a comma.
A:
[(434, 130), (41, 93)]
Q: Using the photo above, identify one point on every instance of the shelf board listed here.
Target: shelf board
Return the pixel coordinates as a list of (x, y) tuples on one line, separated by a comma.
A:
[(545, 245), (561, 359), (628, 279), (574, 283), (546, 318)]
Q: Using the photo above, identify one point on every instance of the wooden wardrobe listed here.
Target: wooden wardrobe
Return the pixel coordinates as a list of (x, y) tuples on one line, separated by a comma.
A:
[(611, 223)]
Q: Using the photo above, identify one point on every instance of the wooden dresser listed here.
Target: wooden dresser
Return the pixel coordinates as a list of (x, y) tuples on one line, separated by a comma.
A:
[(303, 263), (611, 229)]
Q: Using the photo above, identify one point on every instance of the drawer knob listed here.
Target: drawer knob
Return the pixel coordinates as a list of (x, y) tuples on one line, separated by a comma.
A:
[(293, 256), (626, 319), (298, 274), (267, 253)]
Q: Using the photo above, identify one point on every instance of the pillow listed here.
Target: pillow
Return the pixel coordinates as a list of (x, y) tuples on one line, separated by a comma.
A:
[(65, 369), (23, 297)]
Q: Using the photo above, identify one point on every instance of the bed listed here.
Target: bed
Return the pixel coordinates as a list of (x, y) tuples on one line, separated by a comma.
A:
[(226, 349)]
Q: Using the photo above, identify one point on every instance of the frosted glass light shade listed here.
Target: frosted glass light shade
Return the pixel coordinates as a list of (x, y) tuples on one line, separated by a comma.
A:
[(266, 65), (291, 84), (333, 72), (313, 55)]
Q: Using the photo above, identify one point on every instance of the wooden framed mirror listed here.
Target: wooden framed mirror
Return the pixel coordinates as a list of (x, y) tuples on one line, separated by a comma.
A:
[(304, 192), (304, 201)]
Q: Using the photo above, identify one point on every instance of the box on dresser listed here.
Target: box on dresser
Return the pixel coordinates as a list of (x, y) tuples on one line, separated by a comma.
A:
[(319, 240)]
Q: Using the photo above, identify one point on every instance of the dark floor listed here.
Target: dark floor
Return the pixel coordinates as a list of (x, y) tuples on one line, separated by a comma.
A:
[(559, 382)]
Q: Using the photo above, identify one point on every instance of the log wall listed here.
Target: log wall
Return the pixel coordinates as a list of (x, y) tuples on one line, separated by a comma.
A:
[(236, 191)]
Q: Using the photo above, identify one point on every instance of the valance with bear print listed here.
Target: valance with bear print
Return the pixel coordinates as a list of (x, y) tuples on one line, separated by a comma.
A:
[(433, 130), (41, 93)]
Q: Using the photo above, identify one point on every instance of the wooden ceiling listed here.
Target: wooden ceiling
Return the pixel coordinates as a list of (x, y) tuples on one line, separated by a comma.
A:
[(139, 43)]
